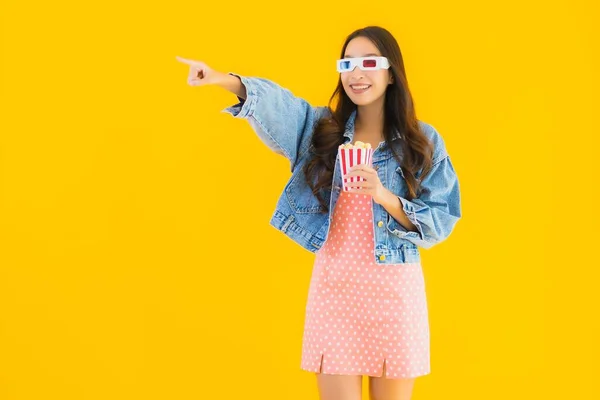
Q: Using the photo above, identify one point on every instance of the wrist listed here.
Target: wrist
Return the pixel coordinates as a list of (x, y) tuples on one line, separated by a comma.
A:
[(231, 83), (387, 198), (223, 79)]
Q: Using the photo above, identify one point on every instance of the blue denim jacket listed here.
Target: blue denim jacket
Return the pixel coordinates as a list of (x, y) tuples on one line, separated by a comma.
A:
[(285, 123)]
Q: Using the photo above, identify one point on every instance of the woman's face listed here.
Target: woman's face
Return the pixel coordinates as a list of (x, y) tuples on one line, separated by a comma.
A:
[(364, 87)]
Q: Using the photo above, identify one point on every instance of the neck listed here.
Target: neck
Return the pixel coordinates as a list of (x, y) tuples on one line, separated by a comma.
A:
[(369, 120)]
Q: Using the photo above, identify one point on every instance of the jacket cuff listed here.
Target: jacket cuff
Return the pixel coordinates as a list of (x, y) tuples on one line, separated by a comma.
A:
[(410, 209), (246, 106)]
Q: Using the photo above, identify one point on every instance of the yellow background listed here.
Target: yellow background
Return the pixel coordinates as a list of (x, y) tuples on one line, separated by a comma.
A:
[(136, 258)]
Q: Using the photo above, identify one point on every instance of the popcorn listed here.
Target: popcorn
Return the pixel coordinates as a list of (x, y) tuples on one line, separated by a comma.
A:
[(350, 155), (357, 145)]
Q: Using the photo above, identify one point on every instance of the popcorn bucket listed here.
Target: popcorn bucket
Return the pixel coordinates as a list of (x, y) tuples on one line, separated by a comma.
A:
[(351, 156)]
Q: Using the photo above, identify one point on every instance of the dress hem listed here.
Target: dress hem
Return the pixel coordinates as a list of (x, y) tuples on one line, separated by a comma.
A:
[(359, 371)]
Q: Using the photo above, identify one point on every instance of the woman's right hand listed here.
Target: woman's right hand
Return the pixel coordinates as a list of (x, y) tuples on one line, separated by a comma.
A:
[(200, 74)]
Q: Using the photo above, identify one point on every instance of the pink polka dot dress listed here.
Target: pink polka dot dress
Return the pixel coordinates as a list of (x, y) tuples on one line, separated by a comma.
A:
[(360, 314)]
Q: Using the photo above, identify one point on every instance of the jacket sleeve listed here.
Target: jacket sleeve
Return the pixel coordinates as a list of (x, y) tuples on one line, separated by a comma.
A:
[(437, 209), (283, 121)]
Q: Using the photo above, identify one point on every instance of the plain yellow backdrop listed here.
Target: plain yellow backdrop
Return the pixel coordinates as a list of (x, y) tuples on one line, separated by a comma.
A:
[(136, 258)]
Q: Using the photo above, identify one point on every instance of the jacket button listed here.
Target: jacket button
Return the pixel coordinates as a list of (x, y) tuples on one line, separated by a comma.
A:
[(380, 224), (377, 168), (382, 257)]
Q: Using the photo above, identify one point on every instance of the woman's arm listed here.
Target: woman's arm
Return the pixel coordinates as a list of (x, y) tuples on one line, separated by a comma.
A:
[(435, 212), (232, 83), (282, 120), (393, 206)]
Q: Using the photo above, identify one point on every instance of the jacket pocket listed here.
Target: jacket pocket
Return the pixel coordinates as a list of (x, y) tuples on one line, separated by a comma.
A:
[(300, 196)]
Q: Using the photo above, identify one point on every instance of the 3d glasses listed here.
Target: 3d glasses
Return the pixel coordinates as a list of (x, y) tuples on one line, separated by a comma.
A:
[(364, 63)]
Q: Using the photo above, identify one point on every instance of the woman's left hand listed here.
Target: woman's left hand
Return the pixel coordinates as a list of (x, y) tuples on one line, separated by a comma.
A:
[(371, 185)]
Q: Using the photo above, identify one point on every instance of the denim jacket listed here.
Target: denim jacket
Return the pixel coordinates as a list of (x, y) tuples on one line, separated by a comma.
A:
[(285, 123)]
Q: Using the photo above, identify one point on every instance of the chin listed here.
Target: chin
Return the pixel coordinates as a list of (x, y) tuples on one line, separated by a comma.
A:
[(361, 101)]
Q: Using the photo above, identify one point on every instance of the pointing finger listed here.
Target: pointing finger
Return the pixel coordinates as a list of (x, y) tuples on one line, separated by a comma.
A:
[(185, 60)]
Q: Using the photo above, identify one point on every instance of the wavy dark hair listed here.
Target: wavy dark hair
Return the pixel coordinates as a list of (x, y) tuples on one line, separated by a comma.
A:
[(399, 117)]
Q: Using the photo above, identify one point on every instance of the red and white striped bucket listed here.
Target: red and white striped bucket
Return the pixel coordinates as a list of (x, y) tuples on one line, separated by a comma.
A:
[(351, 157)]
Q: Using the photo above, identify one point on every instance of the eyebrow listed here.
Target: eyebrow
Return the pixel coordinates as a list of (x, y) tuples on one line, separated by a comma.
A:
[(366, 55)]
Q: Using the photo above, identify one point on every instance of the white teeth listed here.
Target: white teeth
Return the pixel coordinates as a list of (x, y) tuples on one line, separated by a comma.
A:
[(359, 87)]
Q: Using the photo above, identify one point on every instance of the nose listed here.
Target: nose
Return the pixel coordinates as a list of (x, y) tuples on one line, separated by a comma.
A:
[(357, 73)]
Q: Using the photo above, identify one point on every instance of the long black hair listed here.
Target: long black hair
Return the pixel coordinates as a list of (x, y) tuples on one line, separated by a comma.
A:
[(399, 117)]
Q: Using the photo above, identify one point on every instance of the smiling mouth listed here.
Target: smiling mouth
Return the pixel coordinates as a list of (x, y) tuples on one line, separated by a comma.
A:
[(360, 88)]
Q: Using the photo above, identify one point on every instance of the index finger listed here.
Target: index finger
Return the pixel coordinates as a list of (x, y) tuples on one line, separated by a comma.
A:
[(185, 60)]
